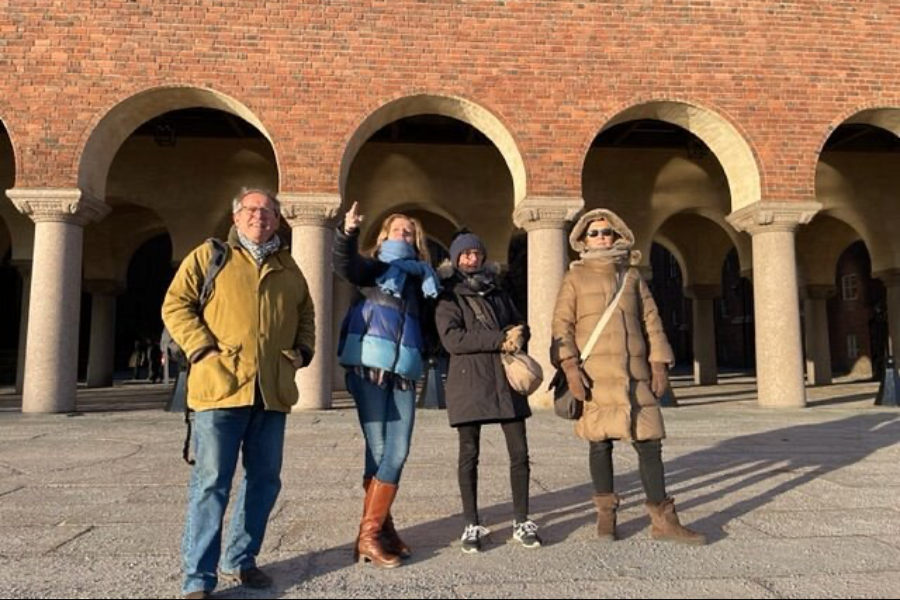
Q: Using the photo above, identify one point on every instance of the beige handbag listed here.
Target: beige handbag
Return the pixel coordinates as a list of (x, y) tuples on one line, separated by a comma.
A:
[(523, 373)]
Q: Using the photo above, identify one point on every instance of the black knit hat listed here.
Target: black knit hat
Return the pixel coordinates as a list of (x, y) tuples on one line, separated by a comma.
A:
[(465, 240)]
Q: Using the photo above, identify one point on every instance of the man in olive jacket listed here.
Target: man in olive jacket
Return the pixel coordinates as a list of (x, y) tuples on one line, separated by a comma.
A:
[(245, 346)]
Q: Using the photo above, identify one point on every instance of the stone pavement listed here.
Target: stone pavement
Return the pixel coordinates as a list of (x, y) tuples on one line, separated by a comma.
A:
[(797, 504)]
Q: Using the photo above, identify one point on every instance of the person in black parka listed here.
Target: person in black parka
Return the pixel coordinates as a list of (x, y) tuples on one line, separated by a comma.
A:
[(477, 321)]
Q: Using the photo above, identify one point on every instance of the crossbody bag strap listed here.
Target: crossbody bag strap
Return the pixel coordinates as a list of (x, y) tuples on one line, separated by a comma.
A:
[(592, 341)]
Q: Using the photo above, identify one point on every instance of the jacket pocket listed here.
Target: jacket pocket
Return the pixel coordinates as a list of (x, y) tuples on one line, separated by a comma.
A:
[(215, 377), (287, 387)]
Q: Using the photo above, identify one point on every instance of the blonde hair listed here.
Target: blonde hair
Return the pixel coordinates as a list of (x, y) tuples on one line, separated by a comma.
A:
[(421, 244)]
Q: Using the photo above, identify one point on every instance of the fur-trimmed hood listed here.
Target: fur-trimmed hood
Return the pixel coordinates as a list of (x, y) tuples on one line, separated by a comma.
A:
[(626, 237), (446, 270)]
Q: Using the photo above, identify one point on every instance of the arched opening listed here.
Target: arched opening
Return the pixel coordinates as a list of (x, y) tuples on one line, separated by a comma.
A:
[(440, 170), (857, 317), (167, 161), (483, 122), (667, 285), (650, 125), (735, 335), (15, 232), (10, 310), (138, 319), (857, 177), (648, 170)]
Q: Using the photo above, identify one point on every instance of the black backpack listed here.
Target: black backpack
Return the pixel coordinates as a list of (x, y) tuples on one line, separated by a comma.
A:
[(217, 260)]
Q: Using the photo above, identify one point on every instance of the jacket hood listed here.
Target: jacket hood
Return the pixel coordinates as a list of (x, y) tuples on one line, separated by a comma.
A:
[(626, 237)]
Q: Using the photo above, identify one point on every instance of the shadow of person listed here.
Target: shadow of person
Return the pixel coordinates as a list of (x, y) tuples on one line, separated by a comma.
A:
[(726, 480), (744, 473)]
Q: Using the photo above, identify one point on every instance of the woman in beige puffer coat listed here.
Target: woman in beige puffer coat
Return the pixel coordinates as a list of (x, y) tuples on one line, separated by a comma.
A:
[(626, 372)]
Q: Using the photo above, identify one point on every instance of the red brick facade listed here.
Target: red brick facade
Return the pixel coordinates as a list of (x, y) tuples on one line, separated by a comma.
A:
[(783, 74)]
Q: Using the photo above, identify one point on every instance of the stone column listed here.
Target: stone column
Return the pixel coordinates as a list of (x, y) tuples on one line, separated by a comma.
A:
[(818, 344), (103, 330), (704, 332), (891, 281), (311, 217), (779, 355), (24, 268), (546, 220), (51, 362)]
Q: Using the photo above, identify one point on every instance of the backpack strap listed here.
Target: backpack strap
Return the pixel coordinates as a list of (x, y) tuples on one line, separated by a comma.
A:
[(217, 261)]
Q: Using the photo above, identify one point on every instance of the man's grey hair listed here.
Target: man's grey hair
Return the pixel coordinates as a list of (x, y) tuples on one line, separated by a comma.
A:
[(237, 203)]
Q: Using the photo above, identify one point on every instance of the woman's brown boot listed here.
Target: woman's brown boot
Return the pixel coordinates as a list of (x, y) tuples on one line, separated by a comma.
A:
[(390, 539), (369, 546), (666, 527), (606, 504)]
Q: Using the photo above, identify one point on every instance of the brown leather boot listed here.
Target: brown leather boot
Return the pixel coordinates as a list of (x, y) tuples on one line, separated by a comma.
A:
[(390, 539), (366, 482), (606, 504), (665, 526), (369, 546)]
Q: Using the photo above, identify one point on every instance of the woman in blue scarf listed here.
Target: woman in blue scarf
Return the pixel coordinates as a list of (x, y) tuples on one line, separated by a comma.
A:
[(382, 347)]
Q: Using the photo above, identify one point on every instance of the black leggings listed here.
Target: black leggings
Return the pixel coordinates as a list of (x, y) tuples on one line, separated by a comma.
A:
[(653, 475), (519, 467)]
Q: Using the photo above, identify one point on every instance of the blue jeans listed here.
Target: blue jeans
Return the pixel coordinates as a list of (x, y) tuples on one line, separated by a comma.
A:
[(219, 436), (387, 417)]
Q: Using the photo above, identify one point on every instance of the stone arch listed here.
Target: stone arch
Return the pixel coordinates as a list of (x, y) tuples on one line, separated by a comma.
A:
[(860, 191), (703, 245), (119, 122), (728, 144), (448, 106), (20, 229), (672, 248), (6, 135), (820, 245)]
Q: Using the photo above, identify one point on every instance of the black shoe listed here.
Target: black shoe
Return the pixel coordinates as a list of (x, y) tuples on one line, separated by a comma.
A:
[(253, 578), (471, 538), (201, 595), (526, 534)]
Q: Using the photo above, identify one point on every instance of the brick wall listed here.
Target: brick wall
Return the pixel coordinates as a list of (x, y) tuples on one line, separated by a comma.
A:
[(782, 73)]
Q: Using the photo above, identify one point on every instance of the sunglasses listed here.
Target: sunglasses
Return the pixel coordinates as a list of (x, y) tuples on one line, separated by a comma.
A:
[(592, 233)]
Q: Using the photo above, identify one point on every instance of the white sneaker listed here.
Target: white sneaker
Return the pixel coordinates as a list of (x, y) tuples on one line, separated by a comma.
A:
[(526, 534), (471, 538)]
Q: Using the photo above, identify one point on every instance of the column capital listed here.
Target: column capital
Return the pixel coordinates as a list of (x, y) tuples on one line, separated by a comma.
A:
[(318, 210), (889, 277), (701, 291), (771, 217), (105, 287), (547, 212), (61, 205), (820, 291)]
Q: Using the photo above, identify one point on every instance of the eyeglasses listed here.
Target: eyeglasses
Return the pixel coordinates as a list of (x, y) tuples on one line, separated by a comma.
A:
[(260, 210), (592, 233)]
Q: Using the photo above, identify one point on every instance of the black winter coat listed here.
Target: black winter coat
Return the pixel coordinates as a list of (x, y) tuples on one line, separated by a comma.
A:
[(477, 390)]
